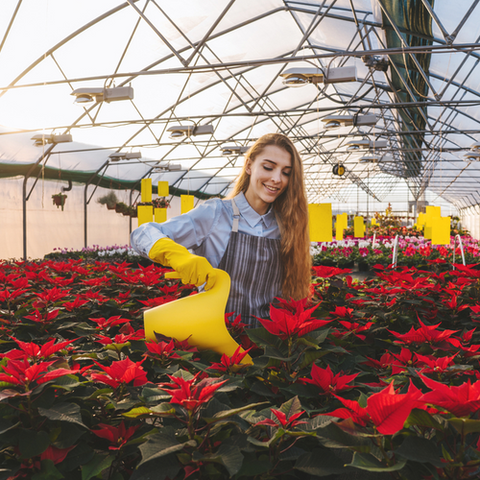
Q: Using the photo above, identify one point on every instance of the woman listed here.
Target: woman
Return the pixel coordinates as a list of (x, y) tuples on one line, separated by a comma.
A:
[(259, 235)]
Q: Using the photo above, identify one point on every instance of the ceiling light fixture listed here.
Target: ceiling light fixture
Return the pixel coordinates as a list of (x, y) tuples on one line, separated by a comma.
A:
[(180, 131), (475, 155), (42, 139), (369, 159), (366, 144), (234, 150), (85, 96), (168, 167), (298, 77), (115, 157), (335, 121)]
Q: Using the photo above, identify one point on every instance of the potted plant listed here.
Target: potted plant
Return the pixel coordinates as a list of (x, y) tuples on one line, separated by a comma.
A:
[(59, 199), (121, 207), (110, 200), (161, 202)]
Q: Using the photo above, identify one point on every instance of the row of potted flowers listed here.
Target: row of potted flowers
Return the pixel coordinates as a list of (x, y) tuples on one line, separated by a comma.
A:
[(375, 376), (412, 251)]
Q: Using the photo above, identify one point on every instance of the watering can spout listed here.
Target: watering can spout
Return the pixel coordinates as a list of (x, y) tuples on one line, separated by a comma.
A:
[(200, 318)]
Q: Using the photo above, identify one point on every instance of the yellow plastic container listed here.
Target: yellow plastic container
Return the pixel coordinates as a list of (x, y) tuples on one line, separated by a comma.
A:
[(200, 317)]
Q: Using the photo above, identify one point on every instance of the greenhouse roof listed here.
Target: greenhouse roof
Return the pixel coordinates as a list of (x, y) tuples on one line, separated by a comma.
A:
[(391, 92)]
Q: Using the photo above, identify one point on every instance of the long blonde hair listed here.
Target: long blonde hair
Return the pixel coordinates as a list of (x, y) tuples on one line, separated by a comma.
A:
[(291, 208)]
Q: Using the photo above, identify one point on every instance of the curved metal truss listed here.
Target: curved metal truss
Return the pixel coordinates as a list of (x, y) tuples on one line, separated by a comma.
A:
[(222, 64)]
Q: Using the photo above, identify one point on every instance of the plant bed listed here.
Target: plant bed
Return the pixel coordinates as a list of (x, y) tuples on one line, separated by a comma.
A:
[(377, 377)]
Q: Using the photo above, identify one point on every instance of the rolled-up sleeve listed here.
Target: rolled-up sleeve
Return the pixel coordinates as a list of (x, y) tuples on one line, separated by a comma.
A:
[(189, 229)]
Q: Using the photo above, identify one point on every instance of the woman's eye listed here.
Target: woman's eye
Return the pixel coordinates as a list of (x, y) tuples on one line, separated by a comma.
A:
[(267, 168), (286, 173)]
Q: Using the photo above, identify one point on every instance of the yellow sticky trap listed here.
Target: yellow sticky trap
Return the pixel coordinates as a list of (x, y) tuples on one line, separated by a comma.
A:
[(163, 190), (431, 211), (320, 222), (200, 318), (441, 231), (186, 203), (374, 221), (146, 190), (145, 214), (338, 231), (421, 220), (358, 227), (341, 225), (160, 215)]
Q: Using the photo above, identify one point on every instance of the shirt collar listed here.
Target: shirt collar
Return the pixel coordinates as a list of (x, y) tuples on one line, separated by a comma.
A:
[(250, 215)]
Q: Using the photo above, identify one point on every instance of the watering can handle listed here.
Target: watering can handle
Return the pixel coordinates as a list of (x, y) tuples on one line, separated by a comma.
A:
[(172, 275)]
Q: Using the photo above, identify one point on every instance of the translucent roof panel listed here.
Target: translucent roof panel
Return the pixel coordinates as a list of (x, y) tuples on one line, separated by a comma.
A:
[(219, 64)]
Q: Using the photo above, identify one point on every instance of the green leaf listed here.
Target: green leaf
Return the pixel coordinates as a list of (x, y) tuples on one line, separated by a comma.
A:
[(64, 412), (321, 463), (48, 472), (157, 469), (5, 425), (254, 467), (33, 443), (159, 445), (260, 336), (310, 356), (423, 419), (368, 462), (96, 466), (137, 412), (420, 450), (229, 413), (465, 425), (229, 456), (291, 407)]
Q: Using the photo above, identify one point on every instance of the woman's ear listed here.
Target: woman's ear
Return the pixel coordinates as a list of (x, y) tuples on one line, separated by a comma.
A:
[(248, 166)]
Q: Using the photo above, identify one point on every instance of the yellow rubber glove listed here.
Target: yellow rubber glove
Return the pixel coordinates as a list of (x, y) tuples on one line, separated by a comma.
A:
[(191, 268)]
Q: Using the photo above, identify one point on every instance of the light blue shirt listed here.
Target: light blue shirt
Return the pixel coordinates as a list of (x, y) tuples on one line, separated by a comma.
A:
[(206, 229)]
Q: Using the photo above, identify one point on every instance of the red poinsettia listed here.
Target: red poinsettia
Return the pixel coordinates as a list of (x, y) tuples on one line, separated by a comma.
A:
[(190, 394), (282, 420), (121, 372), (21, 373), (161, 350), (462, 400), (327, 381), (425, 334), (230, 364), (34, 352), (103, 324), (431, 364), (117, 436), (285, 323), (328, 272), (387, 409)]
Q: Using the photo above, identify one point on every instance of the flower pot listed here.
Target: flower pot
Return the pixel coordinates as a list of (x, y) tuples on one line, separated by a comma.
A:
[(111, 207)]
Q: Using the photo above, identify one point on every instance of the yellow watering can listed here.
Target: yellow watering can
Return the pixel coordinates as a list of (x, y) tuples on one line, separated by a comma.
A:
[(200, 317)]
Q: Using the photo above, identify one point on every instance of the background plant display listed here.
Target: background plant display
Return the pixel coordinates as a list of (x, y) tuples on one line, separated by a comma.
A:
[(412, 251), (376, 376)]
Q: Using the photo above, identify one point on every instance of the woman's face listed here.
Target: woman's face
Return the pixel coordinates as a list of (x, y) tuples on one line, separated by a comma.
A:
[(269, 173)]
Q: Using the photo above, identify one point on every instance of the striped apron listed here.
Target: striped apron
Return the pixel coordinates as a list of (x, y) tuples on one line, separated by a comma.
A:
[(253, 264)]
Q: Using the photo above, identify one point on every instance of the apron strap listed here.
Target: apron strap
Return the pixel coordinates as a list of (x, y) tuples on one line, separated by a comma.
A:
[(236, 216)]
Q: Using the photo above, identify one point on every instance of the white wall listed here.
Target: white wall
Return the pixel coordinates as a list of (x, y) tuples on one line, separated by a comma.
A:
[(48, 227), (470, 218)]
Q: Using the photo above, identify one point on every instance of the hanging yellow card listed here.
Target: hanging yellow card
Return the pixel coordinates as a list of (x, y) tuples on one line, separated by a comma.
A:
[(441, 231), (146, 190), (186, 203), (160, 215), (320, 222), (358, 227), (163, 190), (145, 214)]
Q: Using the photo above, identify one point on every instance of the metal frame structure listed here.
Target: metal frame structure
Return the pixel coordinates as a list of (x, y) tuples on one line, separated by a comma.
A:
[(394, 83)]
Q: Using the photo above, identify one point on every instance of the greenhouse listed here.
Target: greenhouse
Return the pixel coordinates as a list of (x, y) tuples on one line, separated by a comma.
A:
[(120, 116)]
